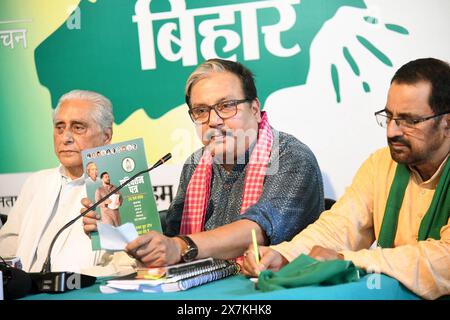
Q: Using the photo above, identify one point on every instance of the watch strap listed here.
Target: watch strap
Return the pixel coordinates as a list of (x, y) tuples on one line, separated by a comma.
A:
[(190, 245)]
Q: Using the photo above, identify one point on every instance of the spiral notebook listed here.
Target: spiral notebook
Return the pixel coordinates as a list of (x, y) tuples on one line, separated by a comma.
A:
[(180, 277), (186, 269)]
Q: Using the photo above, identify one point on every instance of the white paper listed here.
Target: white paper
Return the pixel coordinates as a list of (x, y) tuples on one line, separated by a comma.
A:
[(116, 238), (147, 286), (106, 289), (115, 201)]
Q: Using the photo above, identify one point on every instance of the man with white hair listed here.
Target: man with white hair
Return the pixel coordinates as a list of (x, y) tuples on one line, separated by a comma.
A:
[(50, 198), (91, 172)]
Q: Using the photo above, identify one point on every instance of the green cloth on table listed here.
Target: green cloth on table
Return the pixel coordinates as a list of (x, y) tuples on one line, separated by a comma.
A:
[(307, 271)]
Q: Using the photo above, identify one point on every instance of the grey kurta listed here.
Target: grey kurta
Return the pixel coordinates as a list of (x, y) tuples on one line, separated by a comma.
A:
[(291, 199)]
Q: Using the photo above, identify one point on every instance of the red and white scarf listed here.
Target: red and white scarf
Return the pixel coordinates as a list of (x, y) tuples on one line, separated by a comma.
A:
[(199, 188)]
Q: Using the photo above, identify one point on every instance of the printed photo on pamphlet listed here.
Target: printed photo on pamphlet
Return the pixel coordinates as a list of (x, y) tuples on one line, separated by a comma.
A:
[(105, 168)]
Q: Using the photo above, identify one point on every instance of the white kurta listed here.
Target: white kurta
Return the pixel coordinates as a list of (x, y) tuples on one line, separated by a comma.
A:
[(26, 234)]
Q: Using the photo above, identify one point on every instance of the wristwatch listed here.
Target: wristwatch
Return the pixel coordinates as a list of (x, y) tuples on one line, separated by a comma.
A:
[(191, 251)]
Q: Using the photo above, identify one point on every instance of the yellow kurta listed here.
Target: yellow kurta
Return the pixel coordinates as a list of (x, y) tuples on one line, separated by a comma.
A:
[(353, 224)]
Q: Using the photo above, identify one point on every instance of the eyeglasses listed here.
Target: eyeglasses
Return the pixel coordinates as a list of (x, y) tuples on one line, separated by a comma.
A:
[(224, 109), (383, 119)]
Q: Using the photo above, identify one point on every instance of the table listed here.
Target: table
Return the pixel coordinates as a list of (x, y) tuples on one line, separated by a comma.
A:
[(238, 287)]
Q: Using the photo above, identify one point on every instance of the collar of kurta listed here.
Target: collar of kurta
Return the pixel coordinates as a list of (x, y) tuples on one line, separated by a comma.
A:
[(436, 217), (199, 187)]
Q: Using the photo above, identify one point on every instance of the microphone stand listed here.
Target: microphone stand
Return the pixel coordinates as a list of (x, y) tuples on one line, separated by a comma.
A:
[(57, 282)]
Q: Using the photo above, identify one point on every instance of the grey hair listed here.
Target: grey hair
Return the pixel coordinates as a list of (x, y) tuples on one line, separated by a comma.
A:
[(102, 113), (202, 72), (220, 65)]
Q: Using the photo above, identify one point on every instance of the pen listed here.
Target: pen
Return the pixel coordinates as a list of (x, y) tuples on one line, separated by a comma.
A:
[(255, 246)]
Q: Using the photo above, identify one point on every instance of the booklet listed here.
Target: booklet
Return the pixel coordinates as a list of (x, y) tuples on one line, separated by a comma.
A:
[(105, 168), (188, 275), (185, 268)]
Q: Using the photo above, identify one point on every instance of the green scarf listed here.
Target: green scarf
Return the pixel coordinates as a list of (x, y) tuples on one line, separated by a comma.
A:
[(307, 271), (435, 218)]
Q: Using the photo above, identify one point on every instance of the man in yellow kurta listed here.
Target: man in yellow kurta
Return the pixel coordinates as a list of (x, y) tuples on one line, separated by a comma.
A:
[(394, 218)]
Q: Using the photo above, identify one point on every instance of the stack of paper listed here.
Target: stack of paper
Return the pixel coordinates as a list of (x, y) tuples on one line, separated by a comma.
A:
[(174, 278)]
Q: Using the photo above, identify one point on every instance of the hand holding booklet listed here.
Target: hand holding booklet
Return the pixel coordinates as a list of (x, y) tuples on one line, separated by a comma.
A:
[(106, 169), (175, 277)]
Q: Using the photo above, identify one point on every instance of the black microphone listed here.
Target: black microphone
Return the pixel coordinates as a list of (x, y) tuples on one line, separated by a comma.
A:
[(16, 282), (57, 282)]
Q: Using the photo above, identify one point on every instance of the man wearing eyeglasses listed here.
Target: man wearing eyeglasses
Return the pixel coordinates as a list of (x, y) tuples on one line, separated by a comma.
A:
[(247, 176), (399, 198)]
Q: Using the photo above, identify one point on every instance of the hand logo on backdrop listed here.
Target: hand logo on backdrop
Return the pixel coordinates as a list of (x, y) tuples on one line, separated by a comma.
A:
[(364, 23)]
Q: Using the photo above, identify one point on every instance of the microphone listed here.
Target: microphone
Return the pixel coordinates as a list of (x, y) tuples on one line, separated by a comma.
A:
[(16, 282), (57, 282)]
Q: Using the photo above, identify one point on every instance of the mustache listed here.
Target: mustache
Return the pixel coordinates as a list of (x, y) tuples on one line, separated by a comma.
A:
[(398, 140), (215, 132)]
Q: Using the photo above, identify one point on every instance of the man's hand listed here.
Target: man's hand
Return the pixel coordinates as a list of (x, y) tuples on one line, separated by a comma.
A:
[(322, 254), (90, 219), (154, 249), (269, 259)]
